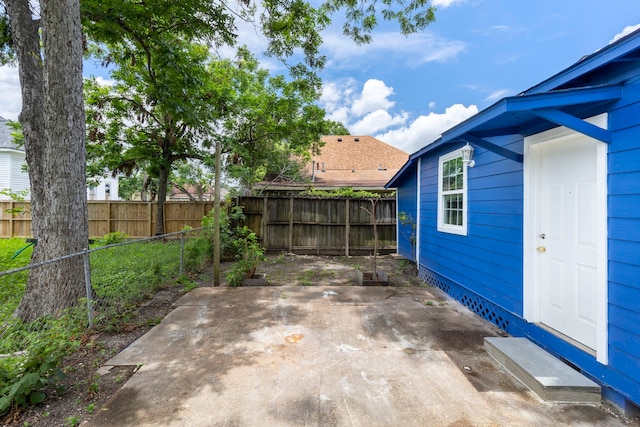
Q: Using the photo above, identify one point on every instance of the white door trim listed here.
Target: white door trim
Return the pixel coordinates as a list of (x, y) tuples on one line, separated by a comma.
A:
[(418, 219), (531, 292)]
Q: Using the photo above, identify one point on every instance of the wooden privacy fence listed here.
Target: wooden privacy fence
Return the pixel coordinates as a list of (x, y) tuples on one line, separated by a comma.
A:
[(321, 226), (294, 224), (137, 219)]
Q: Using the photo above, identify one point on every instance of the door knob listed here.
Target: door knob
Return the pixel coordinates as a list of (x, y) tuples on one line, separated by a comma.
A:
[(541, 249)]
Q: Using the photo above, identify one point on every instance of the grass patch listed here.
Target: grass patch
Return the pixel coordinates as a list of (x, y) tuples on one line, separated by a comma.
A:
[(122, 277)]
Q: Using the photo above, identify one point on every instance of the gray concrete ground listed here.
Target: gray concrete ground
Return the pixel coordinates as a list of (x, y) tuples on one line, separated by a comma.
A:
[(325, 356)]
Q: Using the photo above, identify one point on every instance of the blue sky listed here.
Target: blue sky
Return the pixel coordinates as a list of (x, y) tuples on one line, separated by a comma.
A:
[(406, 91)]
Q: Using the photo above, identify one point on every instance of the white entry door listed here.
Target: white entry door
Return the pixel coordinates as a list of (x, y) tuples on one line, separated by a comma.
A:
[(567, 237)]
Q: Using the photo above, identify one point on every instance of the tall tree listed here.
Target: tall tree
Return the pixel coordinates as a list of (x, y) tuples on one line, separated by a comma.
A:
[(271, 124), (50, 75), (156, 115), (53, 121)]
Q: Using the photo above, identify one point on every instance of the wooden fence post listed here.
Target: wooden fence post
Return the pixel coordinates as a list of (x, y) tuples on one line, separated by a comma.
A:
[(264, 224), (12, 206), (150, 217), (290, 224), (347, 227)]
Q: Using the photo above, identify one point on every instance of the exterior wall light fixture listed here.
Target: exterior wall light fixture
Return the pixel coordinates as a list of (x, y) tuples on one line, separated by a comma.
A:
[(467, 156)]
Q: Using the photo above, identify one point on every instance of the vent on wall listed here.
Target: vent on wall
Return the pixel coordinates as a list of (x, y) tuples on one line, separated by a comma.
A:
[(356, 139), (339, 139)]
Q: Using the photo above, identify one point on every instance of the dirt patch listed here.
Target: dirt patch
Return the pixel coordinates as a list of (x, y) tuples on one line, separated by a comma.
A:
[(85, 387), (309, 270)]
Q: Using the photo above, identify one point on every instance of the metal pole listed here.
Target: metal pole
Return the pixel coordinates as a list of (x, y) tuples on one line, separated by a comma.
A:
[(216, 217), (182, 253), (87, 284)]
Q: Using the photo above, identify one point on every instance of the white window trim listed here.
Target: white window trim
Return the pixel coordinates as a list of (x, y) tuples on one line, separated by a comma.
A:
[(448, 228)]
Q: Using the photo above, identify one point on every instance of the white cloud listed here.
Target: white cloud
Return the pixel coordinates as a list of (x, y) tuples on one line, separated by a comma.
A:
[(413, 51), (364, 111), (374, 96), (369, 111), (627, 30), (426, 129), (376, 121), (446, 3), (104, 82), (498, 94), (11, 98)]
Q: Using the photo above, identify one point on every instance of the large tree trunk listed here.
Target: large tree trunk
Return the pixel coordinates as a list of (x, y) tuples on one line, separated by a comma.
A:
[(54, 123), (163, 185)]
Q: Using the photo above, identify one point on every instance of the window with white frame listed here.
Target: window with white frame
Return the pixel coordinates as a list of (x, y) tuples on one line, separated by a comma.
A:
[(452, 194)]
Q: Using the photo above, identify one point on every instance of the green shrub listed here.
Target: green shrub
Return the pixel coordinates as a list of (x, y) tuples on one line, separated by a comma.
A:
[(248, 256), (199, 250), (36, 350), (113, 238)]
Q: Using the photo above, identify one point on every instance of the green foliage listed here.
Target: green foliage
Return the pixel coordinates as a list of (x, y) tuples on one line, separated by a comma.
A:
[(72, 421), (19, 196), (249, 255), (113, 238), (199, 250), (408, 229), (12, 286), (124, 276), (17, 137), (344, 192), (36, 350)]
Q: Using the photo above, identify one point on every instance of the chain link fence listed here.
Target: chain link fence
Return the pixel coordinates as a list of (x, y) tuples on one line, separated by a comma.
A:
[(118, 278)]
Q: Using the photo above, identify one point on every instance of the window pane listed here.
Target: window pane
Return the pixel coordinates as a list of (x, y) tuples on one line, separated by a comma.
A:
[(452, 214)]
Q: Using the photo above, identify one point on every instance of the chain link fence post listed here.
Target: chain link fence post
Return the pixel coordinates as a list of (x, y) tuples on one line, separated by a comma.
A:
[(182, 253), (87, 284)]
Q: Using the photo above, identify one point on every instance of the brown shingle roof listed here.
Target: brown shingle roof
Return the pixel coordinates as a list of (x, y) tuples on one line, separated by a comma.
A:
[(356, 161)]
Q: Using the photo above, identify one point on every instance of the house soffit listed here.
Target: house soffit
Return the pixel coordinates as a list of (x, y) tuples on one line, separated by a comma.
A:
[(529, 114)]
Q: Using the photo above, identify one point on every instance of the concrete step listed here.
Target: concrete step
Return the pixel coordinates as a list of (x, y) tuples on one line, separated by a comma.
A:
[(547, 376)]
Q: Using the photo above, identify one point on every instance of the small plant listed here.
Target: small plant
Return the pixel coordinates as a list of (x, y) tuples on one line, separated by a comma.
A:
[(24, 375), (305, 278), (187, 282), (72, 421), (406, 220), (113, 238), (249, 255), (91, 407)]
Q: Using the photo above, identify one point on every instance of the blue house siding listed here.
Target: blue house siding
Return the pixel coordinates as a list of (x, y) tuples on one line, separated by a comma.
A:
[(488, 261), (406, 196), (485, 269), (623, 164)]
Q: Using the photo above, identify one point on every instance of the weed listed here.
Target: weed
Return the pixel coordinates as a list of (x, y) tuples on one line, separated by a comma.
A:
[(72, 421), (153, 321), (113, 238), (429, 303), (91, 407), (305, 278), (187, 282), (283, 296)]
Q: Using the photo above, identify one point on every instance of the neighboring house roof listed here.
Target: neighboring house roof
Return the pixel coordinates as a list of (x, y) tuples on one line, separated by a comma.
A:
[(208, 195), (355, 161), (6, 141)]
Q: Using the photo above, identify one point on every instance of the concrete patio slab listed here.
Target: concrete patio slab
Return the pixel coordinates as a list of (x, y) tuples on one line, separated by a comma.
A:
[(325, 356)]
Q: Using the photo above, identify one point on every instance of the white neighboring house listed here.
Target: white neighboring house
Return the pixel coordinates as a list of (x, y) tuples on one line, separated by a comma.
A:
[(107, 189), (14, 178), (12, 159)]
